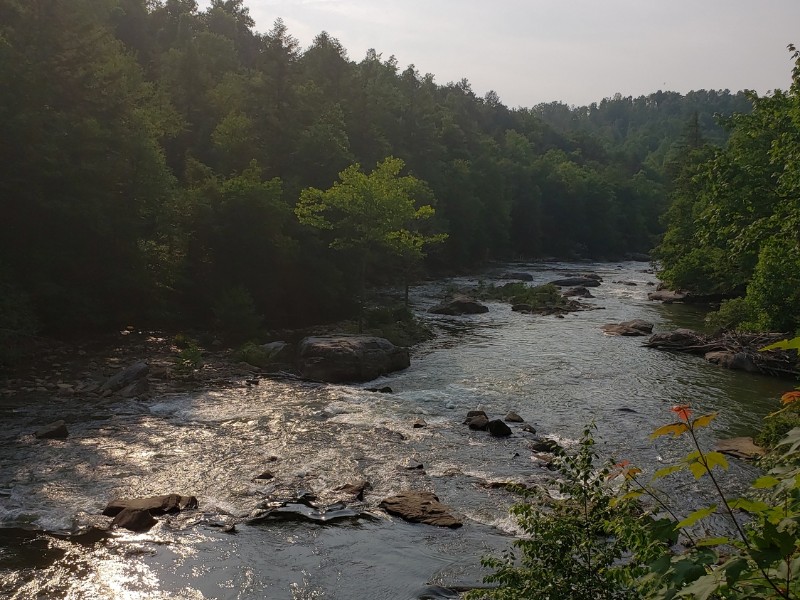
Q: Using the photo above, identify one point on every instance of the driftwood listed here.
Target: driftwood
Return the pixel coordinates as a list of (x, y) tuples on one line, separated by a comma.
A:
[(732, 349)]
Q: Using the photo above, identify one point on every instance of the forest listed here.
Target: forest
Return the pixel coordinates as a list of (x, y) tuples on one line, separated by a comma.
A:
[(161, 166)]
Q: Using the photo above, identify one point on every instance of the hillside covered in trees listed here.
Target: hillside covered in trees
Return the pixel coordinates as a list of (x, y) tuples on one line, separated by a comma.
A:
[(154, 156)]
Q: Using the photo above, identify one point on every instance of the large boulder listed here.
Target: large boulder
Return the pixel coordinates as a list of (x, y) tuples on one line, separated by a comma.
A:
[(342, 358), (582, 281), (579, 292), (459, 305), (498, 428), (420, 507)]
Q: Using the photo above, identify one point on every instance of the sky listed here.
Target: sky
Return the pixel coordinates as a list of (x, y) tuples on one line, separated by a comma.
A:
[(573, 51)]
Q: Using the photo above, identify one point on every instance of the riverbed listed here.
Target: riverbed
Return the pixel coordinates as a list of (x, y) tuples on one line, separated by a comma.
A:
[(559, 374)]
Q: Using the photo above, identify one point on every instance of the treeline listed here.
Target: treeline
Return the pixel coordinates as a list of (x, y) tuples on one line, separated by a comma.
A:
[(734, 223), (153, 155)]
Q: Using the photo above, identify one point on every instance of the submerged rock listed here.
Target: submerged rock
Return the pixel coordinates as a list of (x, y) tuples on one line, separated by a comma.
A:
[(518, 275), (56, 430), (459, 305), (336, 359), (420, 507)]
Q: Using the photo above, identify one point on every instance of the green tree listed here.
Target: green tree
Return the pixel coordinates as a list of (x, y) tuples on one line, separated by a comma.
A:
[(370, 214)]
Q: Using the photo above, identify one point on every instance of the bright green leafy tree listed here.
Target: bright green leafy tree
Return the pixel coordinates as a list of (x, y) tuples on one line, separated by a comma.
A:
[(370, 215)]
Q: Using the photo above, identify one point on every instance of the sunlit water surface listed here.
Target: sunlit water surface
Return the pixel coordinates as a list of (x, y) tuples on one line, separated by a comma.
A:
[(559, 374)]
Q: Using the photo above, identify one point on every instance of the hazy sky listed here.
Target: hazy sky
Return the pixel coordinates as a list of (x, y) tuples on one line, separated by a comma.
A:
[(576, 51)]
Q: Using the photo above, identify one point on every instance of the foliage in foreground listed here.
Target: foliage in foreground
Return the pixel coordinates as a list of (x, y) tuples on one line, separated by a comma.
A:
[(574, 546), (599, 546)]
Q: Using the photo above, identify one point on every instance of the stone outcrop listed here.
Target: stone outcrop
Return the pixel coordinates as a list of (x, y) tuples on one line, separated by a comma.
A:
[(420, 507), (738, 361), (578, 292), (498, 428), (459, 305), (134, 519), (343, 358)]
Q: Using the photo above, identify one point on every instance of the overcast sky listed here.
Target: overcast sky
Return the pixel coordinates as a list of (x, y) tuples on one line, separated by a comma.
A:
[(575, 51)]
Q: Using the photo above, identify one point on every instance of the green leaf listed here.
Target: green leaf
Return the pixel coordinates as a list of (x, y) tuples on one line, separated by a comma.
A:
[(667, 471), (793, 344), (698, 469), (675, 429), (765, 481), (747, 505), (695, 516), (715, 541), (716, 459), (704, 420)]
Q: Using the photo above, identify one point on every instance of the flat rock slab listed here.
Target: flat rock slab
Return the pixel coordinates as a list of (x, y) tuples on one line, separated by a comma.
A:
[(155, 505), (420, 507), (740, 447), (576, 282), (336, 359)]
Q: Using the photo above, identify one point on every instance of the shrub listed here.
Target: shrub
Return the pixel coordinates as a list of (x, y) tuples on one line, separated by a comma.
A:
[(574, 547), (236, 316)]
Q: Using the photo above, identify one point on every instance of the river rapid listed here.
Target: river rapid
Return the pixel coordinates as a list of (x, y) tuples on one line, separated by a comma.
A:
[(558, 374)]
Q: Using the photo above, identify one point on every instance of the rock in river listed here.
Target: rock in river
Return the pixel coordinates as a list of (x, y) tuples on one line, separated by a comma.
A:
[(459, 305), (126, 377), (635, 327), (740, 447), (420, 507), (134, 519), (53, 431), (576, 281), (498, 428), (155, 505), (341, 358)]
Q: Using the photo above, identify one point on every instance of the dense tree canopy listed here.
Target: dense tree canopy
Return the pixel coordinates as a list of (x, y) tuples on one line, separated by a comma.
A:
[(154, 155), (734, 225)]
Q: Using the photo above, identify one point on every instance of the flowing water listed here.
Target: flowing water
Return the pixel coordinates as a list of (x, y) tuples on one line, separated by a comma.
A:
[(559, 374)]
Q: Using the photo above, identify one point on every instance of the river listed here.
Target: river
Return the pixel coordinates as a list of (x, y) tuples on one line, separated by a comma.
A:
[(559, 374)]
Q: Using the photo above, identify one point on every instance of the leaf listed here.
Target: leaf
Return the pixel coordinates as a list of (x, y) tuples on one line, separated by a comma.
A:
[(702, 588), (667, 471), (704, 420), (793, 344), (716, 459), (747, 505), (765, 481), (698, 469), (695, 516), (675, 429), (715, 541)]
